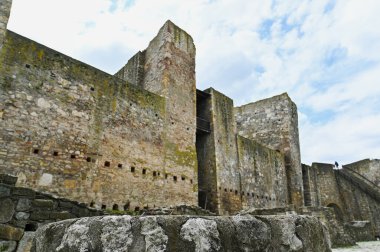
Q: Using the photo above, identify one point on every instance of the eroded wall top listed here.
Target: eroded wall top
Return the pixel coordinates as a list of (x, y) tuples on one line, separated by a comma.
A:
[(5, 9)]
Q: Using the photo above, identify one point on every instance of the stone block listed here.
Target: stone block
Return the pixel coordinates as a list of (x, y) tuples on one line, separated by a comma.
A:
[(66, 204), (23, 204), (252, 234), (96, 212), (48, 237), (297, 233), (43, 203), (20, 191), (7, 209), (25, 244), (8, 246), (61, 215), (312, 233), (183, 233), (8, 179), (22, 216), (4, 191), (81, 211), (40, 215), (45, 180), (8, 232), (202, 233), (285, 229), (18, 223)]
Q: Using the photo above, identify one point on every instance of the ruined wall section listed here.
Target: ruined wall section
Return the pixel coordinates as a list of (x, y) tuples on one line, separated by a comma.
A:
[(369, 168), (5, 10), (133, 71), (72, 130), (263, 178), (226, 157), (274, 123)]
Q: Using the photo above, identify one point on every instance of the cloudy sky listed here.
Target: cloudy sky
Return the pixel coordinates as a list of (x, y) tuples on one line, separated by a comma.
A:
[(324, 53)]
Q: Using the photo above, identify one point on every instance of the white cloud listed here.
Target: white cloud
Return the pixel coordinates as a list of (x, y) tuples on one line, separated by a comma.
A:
[(324, 53)]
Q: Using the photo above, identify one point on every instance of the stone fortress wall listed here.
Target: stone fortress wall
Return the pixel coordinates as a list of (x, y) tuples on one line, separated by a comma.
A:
[(244, 173), (146, 137), (274, 122), (77, 132), (128, 141)]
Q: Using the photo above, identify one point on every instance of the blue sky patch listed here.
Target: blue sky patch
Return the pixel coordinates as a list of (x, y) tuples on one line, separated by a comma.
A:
[(265, 29), (259, 69), (329, 6), (335, 55), (113, 6), (128, 3), (287, 27), (320, 117)]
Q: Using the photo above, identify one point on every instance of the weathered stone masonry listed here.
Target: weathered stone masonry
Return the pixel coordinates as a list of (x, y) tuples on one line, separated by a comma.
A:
[(116, 141), (73, 130), (274, 122), (235, 172), (146, 137), (23, 211), (184, 233), (350, 192), (5, 9)]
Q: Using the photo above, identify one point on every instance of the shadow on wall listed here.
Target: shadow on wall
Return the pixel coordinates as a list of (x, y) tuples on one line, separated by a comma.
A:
[(338, 212)]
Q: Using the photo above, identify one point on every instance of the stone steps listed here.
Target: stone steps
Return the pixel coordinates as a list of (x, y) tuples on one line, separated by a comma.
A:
[(363, 183)]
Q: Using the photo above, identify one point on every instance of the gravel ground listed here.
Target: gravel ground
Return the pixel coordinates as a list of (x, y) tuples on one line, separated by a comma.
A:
[(372, 246)]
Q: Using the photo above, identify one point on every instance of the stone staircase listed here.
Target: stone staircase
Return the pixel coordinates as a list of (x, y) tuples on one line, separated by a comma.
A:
[(362, 182)]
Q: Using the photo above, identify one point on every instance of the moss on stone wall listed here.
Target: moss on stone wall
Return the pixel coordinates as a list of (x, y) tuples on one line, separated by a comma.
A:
[(263, 177), (185, 157), (99, 125)]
